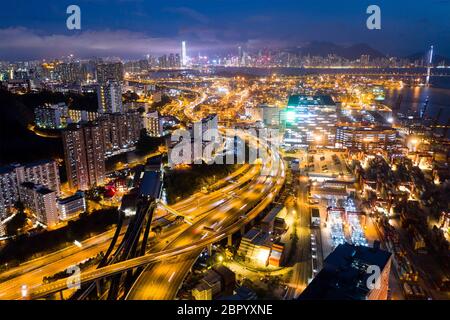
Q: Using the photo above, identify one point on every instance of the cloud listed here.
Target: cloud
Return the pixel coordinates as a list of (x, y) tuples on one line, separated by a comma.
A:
[(21, 43)]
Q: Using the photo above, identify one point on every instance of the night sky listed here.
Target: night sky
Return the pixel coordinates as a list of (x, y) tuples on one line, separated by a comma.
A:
[(132, 28)]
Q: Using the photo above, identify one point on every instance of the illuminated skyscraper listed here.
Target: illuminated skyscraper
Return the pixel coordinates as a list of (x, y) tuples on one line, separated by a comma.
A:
[(84, 156), (183, 54), (109, 97)]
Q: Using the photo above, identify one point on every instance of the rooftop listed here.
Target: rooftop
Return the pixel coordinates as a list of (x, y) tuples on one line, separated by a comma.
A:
[(38, 163), (10, 167), (76, 196), (344, 276), (7, 169), (256, 237), (272, 214), (150, 184), (305, 100), (37, 188)]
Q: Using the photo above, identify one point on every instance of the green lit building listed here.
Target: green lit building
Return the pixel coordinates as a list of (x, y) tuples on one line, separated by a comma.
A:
[(310, 120)]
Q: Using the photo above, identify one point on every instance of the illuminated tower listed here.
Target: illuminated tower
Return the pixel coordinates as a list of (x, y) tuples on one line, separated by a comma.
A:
[(429, 62), (240, 55), (183, 54)]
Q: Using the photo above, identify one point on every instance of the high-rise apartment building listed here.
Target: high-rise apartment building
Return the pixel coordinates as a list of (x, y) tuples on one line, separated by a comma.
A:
[(95, 153), (84, 156), (153, 124), (77, 116), (59, 116), (41, 201), (9, 189), (121, 132), (75, 158), (51, 116), (109, 96), (109, 72), (43, 172), (69, 73)]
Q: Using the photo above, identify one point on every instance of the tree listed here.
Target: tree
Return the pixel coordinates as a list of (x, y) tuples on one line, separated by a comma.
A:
[(130, 97), (18, 221)]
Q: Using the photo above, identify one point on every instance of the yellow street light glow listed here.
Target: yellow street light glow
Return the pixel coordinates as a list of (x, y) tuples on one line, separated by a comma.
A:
[(262, 255)]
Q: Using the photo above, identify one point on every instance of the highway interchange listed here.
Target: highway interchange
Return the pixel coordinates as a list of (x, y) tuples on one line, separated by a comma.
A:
[(224, 209)]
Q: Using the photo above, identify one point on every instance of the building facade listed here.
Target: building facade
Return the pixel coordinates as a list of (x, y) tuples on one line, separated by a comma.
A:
[(43, 172), (109, 72), (109, 96), (269, 115), (153, 124), (41, 201), (51, 116), (217, 281), (77, 116), (310, 120), (121, 132), (9, 189), (69, 73), (365, 138), (84, 156), (71, 206)]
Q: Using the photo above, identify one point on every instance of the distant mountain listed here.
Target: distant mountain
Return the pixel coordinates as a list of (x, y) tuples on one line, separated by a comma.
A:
[(352, 52)]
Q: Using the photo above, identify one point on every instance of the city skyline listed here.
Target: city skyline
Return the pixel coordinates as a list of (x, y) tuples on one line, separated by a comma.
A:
[(131, 29)]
